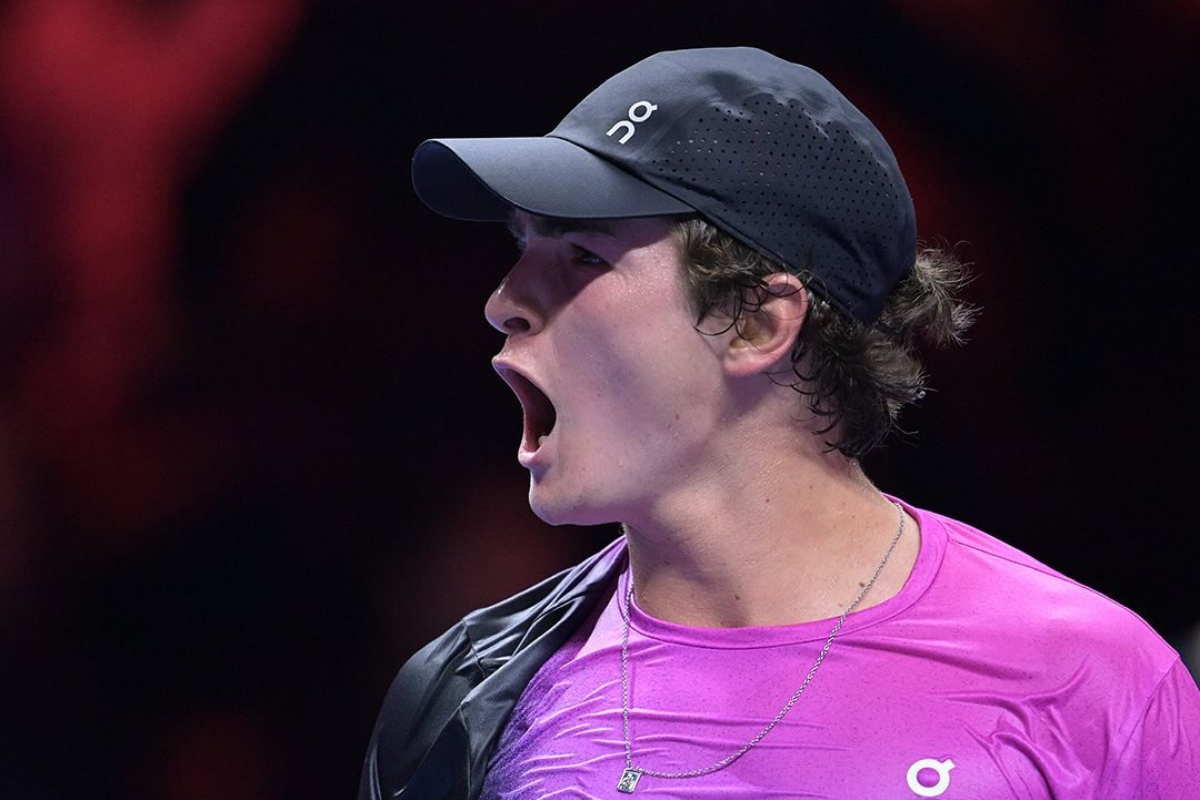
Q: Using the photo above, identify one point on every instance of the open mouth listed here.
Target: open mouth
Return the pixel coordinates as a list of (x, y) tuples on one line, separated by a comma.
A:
[(540, 415)]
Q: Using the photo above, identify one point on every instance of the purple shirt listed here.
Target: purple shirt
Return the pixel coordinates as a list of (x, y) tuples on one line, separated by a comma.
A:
[(989, 675)]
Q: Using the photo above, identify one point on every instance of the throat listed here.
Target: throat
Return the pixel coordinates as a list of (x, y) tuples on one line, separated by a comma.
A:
[(773, 577)]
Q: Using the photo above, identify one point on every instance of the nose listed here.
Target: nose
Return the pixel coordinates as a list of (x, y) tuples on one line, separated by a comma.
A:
[(513, 306)]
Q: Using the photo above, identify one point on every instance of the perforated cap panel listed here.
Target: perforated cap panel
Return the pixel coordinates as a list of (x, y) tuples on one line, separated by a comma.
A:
[(802, 189), (770, 152)]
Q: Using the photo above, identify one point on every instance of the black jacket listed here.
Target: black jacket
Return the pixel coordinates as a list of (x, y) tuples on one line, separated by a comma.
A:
[(448, 705)]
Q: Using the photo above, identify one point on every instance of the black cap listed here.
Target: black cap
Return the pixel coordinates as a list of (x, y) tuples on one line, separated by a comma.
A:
[(767, 150)]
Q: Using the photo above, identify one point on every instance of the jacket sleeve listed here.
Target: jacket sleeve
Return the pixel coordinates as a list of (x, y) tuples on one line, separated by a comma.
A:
[(432, 742), (421, 705)]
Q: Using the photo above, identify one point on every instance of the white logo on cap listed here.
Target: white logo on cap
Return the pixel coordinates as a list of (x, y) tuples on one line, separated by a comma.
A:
[(942, 768), (638, 112)]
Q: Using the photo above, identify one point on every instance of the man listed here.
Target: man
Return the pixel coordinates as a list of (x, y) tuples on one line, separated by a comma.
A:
[(713, 316)]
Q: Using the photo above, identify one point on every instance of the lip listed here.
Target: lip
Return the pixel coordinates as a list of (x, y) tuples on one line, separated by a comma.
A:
[(536, 407)]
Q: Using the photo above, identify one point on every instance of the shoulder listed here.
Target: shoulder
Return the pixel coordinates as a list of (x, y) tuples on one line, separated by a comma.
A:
[(487, 637), (998, 576), (1060, 676), (426, 706), (1043, 619), (498, 632)]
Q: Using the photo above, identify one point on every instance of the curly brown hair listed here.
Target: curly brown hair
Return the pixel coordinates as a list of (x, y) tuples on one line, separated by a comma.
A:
[(857, 377)]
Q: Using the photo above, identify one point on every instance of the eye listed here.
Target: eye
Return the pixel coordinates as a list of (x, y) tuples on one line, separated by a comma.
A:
[(581, 255)]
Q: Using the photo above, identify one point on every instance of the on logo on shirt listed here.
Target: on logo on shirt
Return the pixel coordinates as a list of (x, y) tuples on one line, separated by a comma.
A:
[(942, 768)]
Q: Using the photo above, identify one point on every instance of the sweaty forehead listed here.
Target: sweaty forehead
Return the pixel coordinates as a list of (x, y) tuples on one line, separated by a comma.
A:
[(520, 221)]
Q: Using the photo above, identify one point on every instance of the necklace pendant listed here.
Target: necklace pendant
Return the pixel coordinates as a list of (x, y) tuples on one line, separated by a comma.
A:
[(629, 780)]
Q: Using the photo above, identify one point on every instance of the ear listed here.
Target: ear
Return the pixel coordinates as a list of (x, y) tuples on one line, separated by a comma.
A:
[(765, 335)]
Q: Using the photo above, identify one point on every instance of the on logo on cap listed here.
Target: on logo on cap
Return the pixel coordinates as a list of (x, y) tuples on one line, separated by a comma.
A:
[(638, 112)]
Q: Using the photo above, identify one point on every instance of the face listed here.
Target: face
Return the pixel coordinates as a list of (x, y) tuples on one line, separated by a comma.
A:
[(619, 389)]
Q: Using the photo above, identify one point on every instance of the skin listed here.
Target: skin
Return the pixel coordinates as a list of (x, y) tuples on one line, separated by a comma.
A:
[(734, 513)]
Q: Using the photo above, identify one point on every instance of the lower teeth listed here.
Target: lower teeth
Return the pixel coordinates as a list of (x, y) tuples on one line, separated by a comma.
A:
[(541, 439)]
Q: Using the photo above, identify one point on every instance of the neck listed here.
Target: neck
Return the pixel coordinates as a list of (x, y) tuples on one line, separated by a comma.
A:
[(784, 542)]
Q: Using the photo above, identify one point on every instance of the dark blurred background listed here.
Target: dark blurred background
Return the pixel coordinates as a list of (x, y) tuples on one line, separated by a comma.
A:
[(251, 451)]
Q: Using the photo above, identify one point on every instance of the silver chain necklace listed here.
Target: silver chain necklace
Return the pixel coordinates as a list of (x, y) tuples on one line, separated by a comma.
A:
[(632, 774)]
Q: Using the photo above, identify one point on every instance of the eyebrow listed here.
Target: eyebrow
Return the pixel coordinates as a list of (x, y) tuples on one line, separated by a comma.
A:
[(557, 226)]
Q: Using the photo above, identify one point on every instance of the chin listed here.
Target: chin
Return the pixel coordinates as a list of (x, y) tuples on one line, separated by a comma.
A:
[(555, 509)]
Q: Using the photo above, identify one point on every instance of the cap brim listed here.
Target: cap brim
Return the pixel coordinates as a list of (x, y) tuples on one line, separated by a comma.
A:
[(484, 179)]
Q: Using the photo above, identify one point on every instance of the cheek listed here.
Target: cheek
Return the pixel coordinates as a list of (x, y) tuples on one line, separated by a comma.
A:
[(639, 364), (643, 388)]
